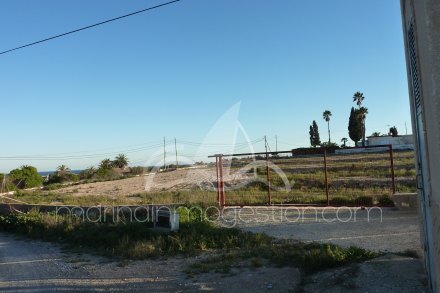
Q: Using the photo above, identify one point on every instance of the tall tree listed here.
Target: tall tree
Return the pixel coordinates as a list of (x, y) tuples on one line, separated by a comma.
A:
[(106, 164), (63, 169), (362, 115), (314, 134), (326, 116), (316, 138), (121, 161), (311, 133), (354, 127), (344, 141), (359, 98), (393, 131)]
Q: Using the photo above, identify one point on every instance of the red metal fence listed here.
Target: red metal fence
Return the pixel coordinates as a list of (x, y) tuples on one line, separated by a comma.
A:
[(355, 161)]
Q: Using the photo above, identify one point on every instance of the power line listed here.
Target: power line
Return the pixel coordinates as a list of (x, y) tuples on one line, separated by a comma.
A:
[(120, 149), (129, 150), (89, 26), (219, 144), (80, 156)]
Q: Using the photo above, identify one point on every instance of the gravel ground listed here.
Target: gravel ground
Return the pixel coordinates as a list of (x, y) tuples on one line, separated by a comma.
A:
[(386, 230), (391, 231), (390, 273), (34, 266)]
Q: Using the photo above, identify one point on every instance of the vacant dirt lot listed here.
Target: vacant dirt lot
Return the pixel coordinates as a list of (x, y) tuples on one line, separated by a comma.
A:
[(164, 181)]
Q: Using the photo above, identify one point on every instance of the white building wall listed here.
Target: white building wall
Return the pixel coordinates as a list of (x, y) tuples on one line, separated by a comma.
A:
[(424, 15)]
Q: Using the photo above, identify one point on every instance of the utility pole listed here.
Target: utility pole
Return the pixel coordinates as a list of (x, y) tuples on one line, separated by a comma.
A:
[(265, 143), (267, 173), (164, 154), (175, 147), (276, 143), (406, 129)]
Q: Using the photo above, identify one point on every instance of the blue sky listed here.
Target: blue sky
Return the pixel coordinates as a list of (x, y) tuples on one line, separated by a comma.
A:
[(176, 70)]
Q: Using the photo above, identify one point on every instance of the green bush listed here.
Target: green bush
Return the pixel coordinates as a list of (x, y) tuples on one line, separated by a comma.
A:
[(26, 177), (340, 201), (59, 177), (385, 201), (9, 186), (137, 170), (363, 201), (106, 174)]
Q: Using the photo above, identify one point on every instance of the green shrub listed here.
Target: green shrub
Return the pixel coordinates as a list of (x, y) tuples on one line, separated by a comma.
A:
[(385, 201), (9, 185), (137, 170), (26, 177), (363, 201), (87, 173), (59, 177), (256, 185), (340, 201), (106, 174)]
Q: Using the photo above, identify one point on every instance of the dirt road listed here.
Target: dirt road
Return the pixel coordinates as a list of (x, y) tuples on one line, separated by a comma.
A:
[(34, 266), (385, 229), (42, 267)]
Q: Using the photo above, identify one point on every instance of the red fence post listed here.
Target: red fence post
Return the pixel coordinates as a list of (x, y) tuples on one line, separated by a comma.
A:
[(326, 179), (222, 183), (218, 181), (268, 179), (393, 179)]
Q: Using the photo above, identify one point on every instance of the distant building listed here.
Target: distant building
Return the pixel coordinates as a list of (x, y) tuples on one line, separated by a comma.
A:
[(402, 142)]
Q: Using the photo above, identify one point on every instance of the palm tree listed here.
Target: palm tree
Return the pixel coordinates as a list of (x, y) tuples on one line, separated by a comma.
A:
[(326, 115), (88, 173), (63, 169), (106, 164), (344, 141), (358, 97), (121, 161)]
